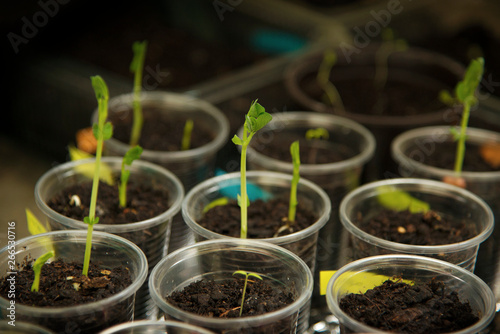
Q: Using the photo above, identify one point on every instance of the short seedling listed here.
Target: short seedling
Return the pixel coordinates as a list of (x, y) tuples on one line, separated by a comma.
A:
[(102, 131), (246, 274), (323, 79), (37, 269), (292, 207), (133, 154), (313, 134), (255, 119), (136, 67), (398, 200), (186, 135)]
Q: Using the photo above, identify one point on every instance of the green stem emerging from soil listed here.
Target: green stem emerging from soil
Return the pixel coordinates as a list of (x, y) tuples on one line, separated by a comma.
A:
[(292, 208), (186, 135), (37, 269), (244, 273)]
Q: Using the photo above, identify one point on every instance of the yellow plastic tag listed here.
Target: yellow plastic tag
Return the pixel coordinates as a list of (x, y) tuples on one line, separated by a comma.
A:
[(359, 283)]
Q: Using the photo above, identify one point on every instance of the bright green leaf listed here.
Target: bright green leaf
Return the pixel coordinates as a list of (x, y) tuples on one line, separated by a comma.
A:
[(468, 86), (133, 154), (34, 225), (217, 202), (107, 131), (100, 88), (237, 140), (398, 200)]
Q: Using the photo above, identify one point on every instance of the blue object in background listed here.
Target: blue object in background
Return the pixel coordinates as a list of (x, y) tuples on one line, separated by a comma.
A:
[(232, 190), (276, 41)]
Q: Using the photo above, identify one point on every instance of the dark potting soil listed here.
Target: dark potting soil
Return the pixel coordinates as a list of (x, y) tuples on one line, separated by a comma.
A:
[(402, 308), (160, 132), (416, 228), (443, 156), (397, 98), (143, 202), (58, 280), (264, 218), (314, 151), (222, 299)]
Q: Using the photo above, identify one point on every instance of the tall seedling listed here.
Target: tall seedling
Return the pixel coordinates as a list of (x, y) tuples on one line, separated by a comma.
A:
[(102, 131), (136, 67), (255, 119)]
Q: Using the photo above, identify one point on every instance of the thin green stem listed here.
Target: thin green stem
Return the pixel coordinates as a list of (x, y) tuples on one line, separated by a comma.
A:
[(88, 247), (137, 67), (460, 153), (186, 135)]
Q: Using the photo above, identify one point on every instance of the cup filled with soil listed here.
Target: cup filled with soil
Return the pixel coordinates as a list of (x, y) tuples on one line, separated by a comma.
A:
[(429, 152), (153, 326), (333, 159), (165, 115), (416, 216), (203, 285), (154, 196), (376, 87), (66, 300), (409, 294)]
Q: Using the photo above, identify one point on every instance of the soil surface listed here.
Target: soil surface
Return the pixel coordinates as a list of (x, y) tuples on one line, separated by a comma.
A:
[(143, 202), (416, 228), (402, 308), (222, 299), (160, 132), (264, 218), (443, 156), (58, 290)]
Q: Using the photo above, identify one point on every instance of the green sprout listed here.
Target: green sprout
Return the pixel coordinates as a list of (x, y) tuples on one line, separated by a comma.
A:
[(37, 269), (133, 154), (389, 46), (255, 119), (465, 94), (246, 274), (399, 200), (102, 131), (323, 79), (317, 133), (136, 67), (292, 208), (186, 135)]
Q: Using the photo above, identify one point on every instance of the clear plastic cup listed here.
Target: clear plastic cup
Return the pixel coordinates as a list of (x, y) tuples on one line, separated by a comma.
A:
[(150, 235), (216, 259), (450, 202), (410, 148), (109, 251), (152, 327), (366, 273), (21, 328), (190, 166), (303, 243)]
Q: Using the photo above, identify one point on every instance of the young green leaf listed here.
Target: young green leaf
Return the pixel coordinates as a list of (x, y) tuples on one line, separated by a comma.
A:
[(34, 225), (246, 274), (318, 133), (105, 172), (37, 269), (136, 67), (102, 131), (292, 208), (255, 119), (186, 135), (133, 154), (217, 202)]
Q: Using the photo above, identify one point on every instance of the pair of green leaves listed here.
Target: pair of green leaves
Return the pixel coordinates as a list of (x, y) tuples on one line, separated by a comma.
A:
[(255, 119)]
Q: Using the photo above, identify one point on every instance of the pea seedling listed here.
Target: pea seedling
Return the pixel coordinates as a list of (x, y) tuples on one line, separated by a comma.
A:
[(102, 131), (255, 119), (292, 207), (37, 269), (465, 94), (323, 79), (136, 67), (186, 135), (133, 154), (246, 274)]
